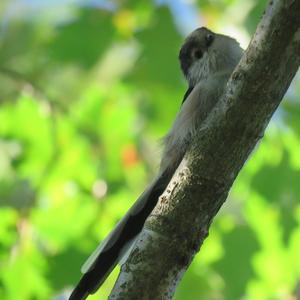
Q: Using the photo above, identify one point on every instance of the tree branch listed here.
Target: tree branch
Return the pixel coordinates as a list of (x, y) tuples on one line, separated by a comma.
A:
[(178, 225)]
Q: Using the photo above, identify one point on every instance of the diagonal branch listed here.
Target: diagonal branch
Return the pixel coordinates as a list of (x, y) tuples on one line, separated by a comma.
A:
[(180, 222)]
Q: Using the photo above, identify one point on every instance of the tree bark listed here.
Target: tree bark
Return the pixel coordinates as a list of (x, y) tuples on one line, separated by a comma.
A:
[(180, 222)]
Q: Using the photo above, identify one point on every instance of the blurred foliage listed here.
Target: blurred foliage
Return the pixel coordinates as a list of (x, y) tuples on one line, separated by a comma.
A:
[(86, 90)]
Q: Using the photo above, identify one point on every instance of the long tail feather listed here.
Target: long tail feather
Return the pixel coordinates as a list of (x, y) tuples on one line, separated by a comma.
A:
[(111, 251)]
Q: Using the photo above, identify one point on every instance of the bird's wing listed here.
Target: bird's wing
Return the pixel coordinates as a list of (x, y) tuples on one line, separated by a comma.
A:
[(187, 93)]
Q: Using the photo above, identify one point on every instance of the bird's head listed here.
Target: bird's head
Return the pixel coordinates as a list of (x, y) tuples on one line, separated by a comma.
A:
[(205, 52)]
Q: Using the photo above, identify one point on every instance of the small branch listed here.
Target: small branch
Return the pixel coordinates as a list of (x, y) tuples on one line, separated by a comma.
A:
[(37, 91), (180, 222), (41, 96)]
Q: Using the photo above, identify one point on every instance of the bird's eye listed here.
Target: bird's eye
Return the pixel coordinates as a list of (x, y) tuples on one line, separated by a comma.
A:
[(209, 39), (197, 53)]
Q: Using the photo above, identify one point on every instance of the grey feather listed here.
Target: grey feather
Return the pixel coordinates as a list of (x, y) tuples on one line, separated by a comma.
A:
[(207, 60)]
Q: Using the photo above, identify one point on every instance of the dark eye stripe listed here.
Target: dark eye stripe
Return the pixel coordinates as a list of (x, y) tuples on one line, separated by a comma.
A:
[(209, 39)]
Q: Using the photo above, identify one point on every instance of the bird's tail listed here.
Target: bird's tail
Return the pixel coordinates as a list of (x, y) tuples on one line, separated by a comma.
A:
[(114, 247)]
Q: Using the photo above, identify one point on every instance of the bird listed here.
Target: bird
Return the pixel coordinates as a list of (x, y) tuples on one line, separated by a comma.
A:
[(207, 60)]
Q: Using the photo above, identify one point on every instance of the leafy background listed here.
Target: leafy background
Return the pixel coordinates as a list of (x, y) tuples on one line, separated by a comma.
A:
[(87, 88)]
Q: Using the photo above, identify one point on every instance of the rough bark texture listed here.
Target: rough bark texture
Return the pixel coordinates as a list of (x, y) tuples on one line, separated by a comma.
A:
[(178, 225)]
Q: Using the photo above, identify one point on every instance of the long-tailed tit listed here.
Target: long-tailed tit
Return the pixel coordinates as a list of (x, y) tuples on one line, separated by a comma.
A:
[(207, 60)]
